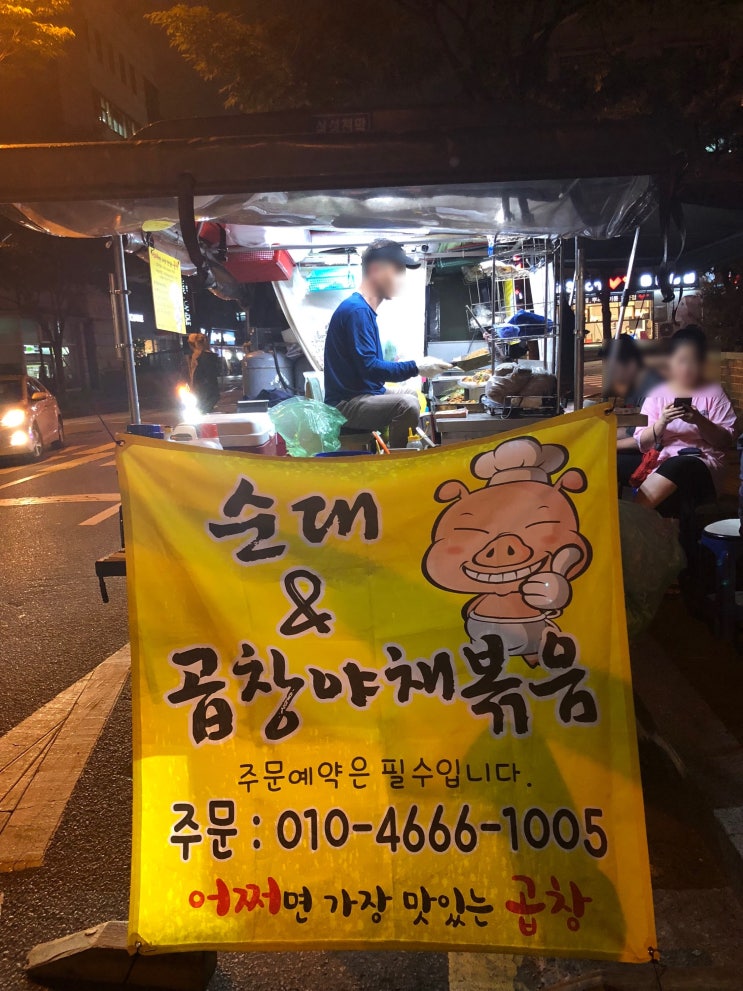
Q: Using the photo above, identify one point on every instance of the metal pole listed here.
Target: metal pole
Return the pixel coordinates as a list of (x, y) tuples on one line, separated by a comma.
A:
[(580, 319), (123, 327), (558, 322), (627, 284), (555, 309), (115, 312), (547, 304), (492, 308)]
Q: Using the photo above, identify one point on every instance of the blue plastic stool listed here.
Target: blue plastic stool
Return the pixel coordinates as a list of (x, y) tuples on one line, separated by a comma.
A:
[(723, 539), (342, 454), (146, 430)]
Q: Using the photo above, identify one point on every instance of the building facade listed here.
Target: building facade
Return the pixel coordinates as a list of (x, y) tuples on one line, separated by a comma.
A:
[(116, 75)]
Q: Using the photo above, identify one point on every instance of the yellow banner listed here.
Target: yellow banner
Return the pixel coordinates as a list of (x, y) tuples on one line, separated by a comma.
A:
[(167, 292), (385, 701)]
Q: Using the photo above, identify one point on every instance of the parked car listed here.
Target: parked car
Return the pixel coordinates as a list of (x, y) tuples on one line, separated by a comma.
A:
[(30, 419)]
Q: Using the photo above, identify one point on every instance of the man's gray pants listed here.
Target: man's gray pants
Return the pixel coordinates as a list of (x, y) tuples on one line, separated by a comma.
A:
[(399, 411)]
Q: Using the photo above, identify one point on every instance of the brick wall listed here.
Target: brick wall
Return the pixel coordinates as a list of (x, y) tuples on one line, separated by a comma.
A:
[(731, 376)]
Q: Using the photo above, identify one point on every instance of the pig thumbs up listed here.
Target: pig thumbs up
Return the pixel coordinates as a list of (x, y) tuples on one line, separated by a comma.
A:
[(566, 558)]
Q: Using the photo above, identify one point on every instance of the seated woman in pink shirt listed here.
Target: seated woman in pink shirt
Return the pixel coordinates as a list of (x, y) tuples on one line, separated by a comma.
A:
[(695, 423)]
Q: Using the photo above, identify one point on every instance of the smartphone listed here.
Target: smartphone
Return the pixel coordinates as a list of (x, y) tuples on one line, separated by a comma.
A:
[(682, 403)]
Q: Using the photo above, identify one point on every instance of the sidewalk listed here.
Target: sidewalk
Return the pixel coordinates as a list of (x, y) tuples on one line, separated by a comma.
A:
[(692, 686)]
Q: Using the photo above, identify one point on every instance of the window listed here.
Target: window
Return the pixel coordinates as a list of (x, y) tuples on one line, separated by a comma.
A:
[(114, 118), (152, 101), (85, 31), (11, 390)]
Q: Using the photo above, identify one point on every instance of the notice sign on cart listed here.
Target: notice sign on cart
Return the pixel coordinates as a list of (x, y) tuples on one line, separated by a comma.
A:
[(167, 292), (385, 702)]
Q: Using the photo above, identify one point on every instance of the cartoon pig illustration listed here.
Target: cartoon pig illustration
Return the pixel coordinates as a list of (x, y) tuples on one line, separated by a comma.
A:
[(515, 544)]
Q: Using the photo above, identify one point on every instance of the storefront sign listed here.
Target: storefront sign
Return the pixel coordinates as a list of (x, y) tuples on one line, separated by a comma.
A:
[(385, 702), (349, 123), (187, 290), (167, 293)]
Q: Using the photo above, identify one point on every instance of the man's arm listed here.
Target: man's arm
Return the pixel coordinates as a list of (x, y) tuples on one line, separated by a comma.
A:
[(647, 437), (368, 363), (625, 443)]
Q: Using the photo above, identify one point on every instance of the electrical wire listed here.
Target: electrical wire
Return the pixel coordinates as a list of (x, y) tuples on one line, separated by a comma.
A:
[(658, 968)]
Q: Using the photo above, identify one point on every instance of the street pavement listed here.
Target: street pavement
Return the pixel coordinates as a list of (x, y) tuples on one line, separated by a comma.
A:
[(57, 517)]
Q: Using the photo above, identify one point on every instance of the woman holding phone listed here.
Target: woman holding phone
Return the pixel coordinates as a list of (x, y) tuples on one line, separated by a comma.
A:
[(692, 422)]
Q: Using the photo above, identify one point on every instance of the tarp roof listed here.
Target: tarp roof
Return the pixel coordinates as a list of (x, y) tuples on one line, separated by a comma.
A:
[(442, 172), (596, 207)]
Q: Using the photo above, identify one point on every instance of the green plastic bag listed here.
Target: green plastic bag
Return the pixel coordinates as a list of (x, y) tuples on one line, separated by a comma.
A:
[(307, 426)]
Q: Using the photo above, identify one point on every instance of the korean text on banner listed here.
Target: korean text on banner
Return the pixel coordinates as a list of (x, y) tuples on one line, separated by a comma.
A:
[(167, 292), (385, 702)]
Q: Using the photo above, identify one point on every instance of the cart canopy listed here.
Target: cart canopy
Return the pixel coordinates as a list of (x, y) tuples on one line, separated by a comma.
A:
[(276, 180)]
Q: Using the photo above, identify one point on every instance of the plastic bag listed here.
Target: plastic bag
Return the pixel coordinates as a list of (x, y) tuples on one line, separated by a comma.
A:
[(308, 426), (651, 560), (510, 379)]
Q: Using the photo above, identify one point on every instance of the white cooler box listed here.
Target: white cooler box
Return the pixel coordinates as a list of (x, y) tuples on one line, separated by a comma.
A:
[(252, 432)]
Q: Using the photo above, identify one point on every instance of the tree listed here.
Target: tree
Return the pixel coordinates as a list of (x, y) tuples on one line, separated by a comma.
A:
[(32, 30), (723, 306), (268, 57), (588, 58), (273, 56)]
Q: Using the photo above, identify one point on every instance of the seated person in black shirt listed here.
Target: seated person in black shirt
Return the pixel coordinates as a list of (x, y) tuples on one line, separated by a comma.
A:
[(631, 381)]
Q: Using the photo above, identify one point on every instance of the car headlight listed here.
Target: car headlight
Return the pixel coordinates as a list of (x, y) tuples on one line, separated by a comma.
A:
[(13, 418), (19, 438)]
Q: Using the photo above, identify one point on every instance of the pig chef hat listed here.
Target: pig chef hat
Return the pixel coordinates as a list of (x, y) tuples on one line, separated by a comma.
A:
[(520, 460)]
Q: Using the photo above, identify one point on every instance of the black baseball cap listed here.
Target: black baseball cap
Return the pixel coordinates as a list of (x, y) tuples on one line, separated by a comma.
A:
[(388, 251)]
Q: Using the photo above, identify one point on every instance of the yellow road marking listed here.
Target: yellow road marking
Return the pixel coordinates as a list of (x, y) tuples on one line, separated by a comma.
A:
[(100, 517), (49, 500), (23, 747), (42, 758), (57, 456), (94, 450), (96, 455)]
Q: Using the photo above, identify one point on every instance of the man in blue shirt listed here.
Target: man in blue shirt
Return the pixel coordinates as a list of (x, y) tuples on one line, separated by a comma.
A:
[(355, 370)]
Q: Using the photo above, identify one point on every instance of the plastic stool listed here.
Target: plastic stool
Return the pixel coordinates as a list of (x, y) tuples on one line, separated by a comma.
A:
[(355, 440), (724, 541)]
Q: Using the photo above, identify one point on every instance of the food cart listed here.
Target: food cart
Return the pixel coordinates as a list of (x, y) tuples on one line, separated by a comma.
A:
[(231, 195), (218, 194)]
